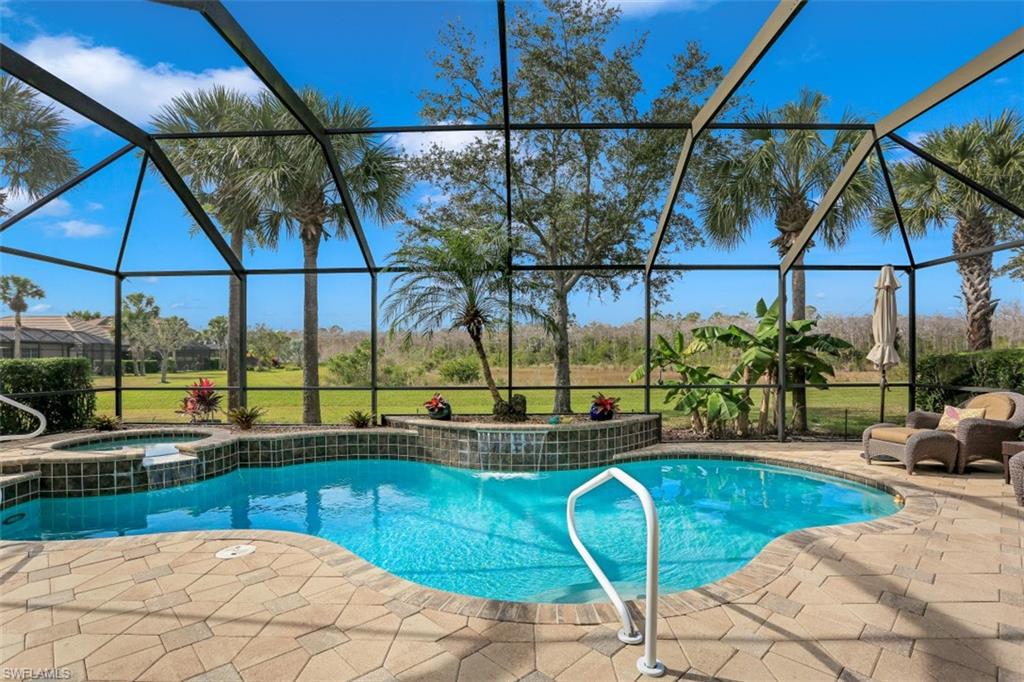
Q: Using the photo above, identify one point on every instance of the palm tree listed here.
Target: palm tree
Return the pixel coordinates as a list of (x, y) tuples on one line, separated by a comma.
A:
[(14, 293), (778, 175), (34, 156), (990, 152), (453, 279), (216, 172), (293, 178)]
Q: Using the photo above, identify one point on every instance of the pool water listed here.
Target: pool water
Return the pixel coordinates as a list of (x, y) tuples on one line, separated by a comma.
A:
[(501, 536), (131, 442)]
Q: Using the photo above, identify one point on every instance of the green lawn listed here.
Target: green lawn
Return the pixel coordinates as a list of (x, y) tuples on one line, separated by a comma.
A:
[(837, 411)]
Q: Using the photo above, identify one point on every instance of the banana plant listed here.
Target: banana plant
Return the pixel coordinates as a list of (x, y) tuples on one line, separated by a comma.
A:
[(757, 363)]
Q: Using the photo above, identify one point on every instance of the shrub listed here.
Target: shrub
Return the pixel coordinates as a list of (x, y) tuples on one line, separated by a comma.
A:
[(351, 369), (201, 402), (511, 411), (245, 417), (106, 422), (63, 412), (359, 419), (990, 368), (464, 370)]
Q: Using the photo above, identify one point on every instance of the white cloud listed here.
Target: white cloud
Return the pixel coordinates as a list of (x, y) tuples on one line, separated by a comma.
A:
[(93, 206), (77, 229), (40, 308), (639, 9), (122, 82), (58, 208), (415, 144), (433, 198), (820, 294)]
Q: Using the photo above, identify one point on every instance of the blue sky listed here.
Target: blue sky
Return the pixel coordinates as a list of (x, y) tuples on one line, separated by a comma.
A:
[(133, 56)]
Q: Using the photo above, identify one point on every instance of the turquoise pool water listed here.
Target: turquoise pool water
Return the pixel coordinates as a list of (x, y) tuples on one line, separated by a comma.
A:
[(131, 442), (501, 536)]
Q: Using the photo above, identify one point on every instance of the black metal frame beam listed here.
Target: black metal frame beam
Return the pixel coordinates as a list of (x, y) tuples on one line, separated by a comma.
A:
[(232, 32), (953, 172), (74, 182), (895, 203), (998, 54), (506, 123), (131, 212), (514, 127), (45, 82), (776, 23), (55, 261)]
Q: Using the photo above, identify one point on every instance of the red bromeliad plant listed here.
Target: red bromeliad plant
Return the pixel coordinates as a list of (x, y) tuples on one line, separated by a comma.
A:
[(201, 402), (603, 407), (438, 407)]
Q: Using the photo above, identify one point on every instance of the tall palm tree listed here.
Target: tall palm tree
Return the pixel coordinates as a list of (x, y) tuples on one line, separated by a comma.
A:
[(453, 279), (991, 152), (293, 178), (216, 170), (14, 293), (34, 155), (778, 175)]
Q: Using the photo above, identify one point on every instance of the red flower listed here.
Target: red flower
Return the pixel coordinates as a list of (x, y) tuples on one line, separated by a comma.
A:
[(605, 404)]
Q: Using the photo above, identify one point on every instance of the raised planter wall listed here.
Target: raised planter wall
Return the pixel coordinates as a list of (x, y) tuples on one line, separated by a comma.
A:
[(530, 447)]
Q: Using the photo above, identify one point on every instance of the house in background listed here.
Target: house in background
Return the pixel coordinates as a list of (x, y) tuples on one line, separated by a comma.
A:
[(56, 336)]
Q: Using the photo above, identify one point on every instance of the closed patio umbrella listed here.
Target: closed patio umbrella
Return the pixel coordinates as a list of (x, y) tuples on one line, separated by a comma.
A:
[(883, 328)]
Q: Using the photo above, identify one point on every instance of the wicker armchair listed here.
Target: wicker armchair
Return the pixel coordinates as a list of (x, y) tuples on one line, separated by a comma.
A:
[(973, 440)]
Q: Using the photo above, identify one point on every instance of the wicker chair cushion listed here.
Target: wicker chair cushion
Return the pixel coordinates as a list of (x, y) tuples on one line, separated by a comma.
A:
[(894, 434), (997, 405), (951, 416)]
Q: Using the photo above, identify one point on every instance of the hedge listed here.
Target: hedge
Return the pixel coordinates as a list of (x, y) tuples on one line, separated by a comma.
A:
[(63, 412), (991, 368)]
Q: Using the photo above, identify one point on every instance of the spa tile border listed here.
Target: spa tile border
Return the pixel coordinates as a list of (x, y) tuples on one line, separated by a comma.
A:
[(772, 561), (85, 473), (532, 446), (18, 488)]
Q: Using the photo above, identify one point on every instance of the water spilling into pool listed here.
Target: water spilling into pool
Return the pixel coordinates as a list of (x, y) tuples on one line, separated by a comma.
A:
[(501, 536)]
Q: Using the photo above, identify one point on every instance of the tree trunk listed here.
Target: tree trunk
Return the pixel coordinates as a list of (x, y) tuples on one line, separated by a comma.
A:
[(481, 352), (799, 308), (790, 221), (563, 398), (976, 278), (310, 330), (235, 366), (17, 335), (163, 369)]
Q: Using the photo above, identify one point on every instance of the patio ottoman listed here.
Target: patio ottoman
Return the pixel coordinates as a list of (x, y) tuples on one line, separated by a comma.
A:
[(910, 445), (1017, 476)]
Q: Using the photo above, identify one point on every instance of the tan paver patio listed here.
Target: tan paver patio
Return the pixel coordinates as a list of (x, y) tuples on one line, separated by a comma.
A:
[(942, 599)]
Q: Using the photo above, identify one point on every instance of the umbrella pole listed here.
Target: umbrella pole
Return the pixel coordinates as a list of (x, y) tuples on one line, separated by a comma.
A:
[(882, 384)]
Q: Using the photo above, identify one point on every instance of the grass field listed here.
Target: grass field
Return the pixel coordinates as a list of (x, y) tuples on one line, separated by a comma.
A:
[(837, 411)]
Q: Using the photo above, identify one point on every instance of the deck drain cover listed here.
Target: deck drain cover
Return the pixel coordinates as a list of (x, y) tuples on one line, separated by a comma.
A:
[(235, 551)]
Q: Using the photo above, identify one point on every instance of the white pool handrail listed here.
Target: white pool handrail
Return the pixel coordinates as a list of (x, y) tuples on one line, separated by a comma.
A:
[(24, 408), (648, 664)]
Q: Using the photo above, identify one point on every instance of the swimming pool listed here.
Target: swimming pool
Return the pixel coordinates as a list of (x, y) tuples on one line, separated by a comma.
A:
[(495, 535)]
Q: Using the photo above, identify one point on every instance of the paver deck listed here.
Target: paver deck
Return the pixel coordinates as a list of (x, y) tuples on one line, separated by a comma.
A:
[(938, 599)]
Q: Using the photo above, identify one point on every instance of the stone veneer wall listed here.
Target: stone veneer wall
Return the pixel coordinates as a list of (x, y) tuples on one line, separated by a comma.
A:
[(53, 472), (531, 447)]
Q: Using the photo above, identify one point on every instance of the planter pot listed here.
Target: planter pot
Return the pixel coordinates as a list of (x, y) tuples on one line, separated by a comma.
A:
[(599, 416), (443, 415)]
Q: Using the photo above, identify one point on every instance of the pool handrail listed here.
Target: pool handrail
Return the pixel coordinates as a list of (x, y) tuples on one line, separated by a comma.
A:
[(24, 408), (648, 664)]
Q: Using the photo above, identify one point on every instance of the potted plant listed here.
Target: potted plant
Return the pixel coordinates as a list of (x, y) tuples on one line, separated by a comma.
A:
[(438, 408), (201, 403), (603, 407)]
